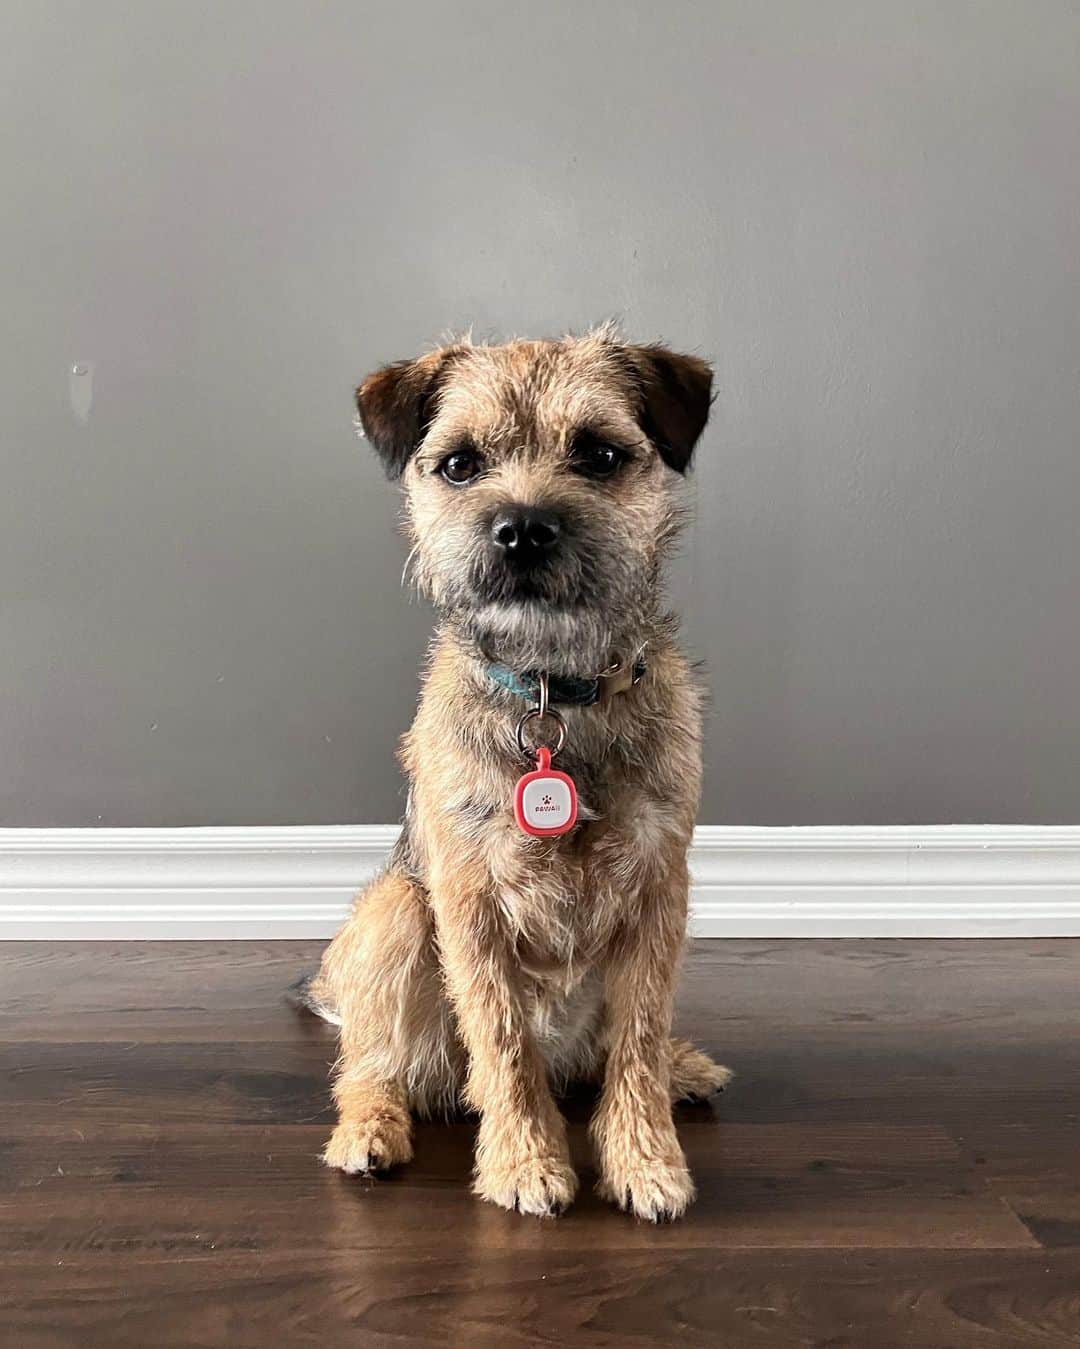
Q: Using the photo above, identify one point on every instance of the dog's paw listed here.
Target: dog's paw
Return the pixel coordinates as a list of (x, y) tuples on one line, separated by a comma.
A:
[(657, 1191), (543, 1186), (363, 1147), (694, 1076)]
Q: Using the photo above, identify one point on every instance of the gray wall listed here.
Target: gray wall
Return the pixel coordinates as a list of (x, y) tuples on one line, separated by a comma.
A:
[(865, 213)]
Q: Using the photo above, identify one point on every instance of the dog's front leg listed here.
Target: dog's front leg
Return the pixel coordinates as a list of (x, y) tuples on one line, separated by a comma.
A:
[(522, 1159), (642, 1167)]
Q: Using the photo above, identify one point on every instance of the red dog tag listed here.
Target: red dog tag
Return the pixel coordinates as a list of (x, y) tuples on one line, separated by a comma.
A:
[(545, 800)]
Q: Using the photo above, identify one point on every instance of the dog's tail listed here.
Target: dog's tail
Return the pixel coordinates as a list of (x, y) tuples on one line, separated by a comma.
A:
[(308, 995)]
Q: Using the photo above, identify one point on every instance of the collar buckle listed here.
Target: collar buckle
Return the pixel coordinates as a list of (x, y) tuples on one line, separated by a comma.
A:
[(620, 677)]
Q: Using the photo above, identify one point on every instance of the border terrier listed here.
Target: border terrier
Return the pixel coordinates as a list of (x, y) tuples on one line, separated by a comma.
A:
[(497, 960)]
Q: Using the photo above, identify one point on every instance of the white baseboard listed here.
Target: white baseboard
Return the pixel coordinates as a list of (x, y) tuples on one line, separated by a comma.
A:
[(891, 881), (939, 881)]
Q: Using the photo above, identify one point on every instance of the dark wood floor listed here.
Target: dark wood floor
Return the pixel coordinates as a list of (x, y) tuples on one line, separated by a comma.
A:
[(898, 1164)]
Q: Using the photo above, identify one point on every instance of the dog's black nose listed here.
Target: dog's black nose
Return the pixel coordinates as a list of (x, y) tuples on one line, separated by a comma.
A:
[(524, 534)]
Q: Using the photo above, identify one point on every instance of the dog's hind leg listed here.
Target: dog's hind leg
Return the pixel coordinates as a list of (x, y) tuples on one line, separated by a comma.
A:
[(374, 1128), (694, 1076), (380, 976)]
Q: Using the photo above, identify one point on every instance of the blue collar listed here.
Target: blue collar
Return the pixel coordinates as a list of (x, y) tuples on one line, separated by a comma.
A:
[(569, 690)]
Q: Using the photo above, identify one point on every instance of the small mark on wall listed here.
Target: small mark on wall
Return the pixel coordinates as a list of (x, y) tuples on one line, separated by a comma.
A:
[(81, 389)]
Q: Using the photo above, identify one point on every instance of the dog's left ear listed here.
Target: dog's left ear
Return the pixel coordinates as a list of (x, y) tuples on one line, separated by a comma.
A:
[(675, 397), (397, 403)]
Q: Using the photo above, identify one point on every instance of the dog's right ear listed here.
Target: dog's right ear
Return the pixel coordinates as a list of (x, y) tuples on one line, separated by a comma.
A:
[(397, 403)]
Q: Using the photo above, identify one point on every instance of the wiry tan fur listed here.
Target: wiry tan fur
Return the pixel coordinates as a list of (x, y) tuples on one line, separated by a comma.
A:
[(486, 966)]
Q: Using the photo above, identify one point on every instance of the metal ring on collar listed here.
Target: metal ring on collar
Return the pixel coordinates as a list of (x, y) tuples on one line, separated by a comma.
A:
[(534, 714)]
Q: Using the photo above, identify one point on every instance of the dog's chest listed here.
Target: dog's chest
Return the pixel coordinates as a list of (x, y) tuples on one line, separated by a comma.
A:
[(539, 889), (562, 900)]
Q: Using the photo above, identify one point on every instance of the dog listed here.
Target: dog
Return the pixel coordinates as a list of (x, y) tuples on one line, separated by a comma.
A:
[(489, 966)]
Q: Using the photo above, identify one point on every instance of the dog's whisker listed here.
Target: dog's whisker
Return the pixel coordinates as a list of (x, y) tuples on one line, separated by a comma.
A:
[(413, 551)]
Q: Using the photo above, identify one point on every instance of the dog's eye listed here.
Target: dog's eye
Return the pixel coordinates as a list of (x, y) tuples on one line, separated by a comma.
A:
[(461, 467), (594, 459)]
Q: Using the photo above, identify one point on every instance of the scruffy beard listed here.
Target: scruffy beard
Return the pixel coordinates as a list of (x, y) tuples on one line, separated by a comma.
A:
[(532, 635), (590, 609)]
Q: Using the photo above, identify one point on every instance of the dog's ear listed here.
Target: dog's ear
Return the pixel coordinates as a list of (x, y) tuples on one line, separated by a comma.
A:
[(397, 403), (675, 395)]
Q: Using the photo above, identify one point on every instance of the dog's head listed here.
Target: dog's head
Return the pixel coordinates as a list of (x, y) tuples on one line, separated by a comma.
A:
[(542, 482)]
